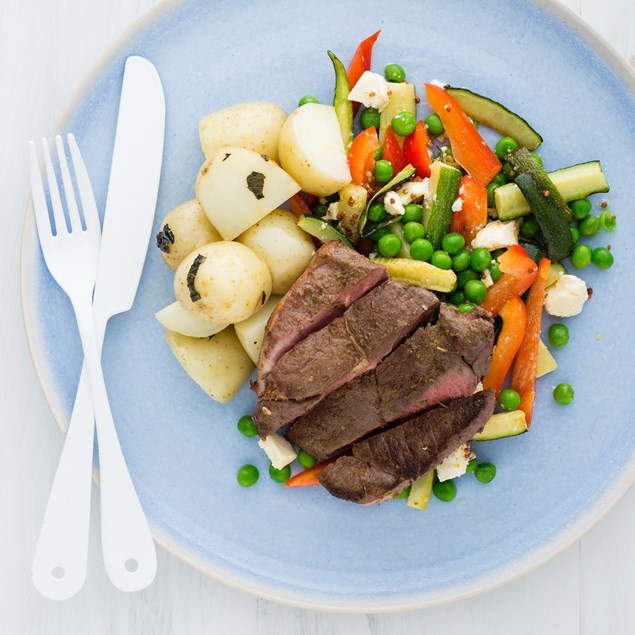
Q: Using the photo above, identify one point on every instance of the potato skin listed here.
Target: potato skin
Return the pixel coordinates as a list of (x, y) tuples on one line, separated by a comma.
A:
[(253, 125), (285, 248), (231, 282), (191, 229)]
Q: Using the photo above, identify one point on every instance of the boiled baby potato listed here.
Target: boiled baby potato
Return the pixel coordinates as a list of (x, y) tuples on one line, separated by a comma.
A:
[(175, 318), (223, 282), (184, 229), (218, 365), (285, 247), (251, 331), (311, 150), (255, 126), (238, 187)]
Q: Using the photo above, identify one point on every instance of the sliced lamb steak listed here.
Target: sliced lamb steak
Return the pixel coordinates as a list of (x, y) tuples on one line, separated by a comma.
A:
[(350, 345), (385, 463), (336, 277), (434, 366)]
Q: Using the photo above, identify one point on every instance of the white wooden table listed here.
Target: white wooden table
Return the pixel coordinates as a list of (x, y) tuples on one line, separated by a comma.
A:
[(46, 48)]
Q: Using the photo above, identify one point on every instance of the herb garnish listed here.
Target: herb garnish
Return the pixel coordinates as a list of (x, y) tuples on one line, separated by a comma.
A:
[(165, 238), (191, 277), (256, 183)]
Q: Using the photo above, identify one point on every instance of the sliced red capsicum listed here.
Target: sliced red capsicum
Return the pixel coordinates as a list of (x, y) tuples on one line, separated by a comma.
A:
[(308, 477), (392, 151), (519, 272), (523, 379), (361, 156), (298, 206), (415, 151), (361, 62), (473, 213), (509, 340), (468, 147)]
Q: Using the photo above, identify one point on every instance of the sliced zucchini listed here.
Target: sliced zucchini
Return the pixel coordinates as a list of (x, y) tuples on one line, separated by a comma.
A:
[(350, 207), (496, 116), (397, 229), (501, 425), (533, 249), (343, 107), (437, 212), (573, 183), (419, 273), (555, 271), (402, 97), (545, 363), (322, 230), (420, 491)]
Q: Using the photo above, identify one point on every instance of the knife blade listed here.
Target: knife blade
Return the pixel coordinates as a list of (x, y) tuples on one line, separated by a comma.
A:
[(59, 566)]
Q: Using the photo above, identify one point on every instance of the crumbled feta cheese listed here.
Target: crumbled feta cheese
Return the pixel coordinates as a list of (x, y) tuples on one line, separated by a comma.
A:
[(566, 296), (439, 83), (486, 277), (393, 204), (371, 90), (456, 464), (413, 190), (497, 235), (278, 449), (457, 206), (479, 387), (332, 211)]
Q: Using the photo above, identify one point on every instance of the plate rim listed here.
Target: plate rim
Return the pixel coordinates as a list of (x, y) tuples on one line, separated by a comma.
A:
[(504, 575)]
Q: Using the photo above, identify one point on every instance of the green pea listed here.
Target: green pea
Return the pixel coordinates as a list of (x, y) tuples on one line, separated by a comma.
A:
[(394, 73), (308, 99), (389, 245), (280, 476), (444, 491), (453, 243), (461, 261), (466, 307), (456, 298), (441, 259), (379, 233), (530, 227), (563, 394), (377, 212), (490, 194), (306, 460), (464, 276), (494, 271), (413, 213), (480, 259), (580, 208), (412, 231), (558, 335), (499, 179), (404, 493), (369, 118), (589, 226), (503, 146), (575, 234), (434, 124), (320, 210), (403, 123), (247, 426), (471, 466), (608, 221), (475, 291), (602, 258), (538, 158), (383, 171), (421, 249), (378, 154), (247, 475), (509, 172), (581, 256), (485, 472), (509, 400)]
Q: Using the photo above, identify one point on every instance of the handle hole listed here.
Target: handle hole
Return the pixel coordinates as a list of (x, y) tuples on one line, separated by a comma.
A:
[(131, 565), (58, 572)]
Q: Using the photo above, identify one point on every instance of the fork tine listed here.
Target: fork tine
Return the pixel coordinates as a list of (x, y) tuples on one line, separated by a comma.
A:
[(69, 193), (54, 193), (38, 195), (89, 206)]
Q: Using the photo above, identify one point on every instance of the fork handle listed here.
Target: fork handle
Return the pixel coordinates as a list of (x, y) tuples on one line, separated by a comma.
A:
[(128, 549)]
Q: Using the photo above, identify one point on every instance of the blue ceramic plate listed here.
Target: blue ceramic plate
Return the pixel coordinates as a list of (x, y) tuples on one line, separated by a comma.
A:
[(304, 547)]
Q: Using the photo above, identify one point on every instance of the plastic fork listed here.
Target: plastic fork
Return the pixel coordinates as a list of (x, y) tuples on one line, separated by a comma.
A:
[(71, 253)]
